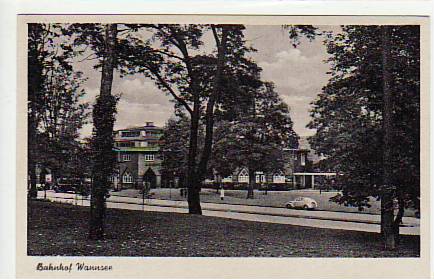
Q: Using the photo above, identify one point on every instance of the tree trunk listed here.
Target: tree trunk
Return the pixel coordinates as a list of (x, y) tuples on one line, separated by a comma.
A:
[(34, 87), (387, 209), (194, 200), (31, 157), (252, 180), (195, 176), (192, 181), (103, 115), (398, 219), (209, 115), (33, 192), (387, 224)]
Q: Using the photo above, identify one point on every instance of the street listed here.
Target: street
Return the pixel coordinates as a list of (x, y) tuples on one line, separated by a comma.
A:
[(318, 219)]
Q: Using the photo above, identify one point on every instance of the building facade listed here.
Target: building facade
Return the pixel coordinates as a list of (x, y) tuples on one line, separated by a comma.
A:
[(138, 157), (139, 162), (298, 173), (296, 161)]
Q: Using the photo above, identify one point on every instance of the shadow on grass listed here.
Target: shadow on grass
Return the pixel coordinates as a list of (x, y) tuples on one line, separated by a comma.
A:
[(61, 229)]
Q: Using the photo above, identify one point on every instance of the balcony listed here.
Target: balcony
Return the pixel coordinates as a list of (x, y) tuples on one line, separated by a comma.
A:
[(138, 149)]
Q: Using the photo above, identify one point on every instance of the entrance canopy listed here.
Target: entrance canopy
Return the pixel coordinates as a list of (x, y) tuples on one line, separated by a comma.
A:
[(304, 175)]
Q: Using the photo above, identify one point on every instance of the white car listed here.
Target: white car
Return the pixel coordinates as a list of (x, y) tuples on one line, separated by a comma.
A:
[(303, 203)]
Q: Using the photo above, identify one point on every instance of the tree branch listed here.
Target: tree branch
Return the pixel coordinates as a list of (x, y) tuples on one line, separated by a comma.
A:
[(216, 37), (169, 54), (171, 91), (87, 58), (209, 116), (167, 35)]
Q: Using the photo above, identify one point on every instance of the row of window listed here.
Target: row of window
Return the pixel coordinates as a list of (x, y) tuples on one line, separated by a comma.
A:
[(128, 178), (148, 157), (135, 144), (243, 177), (130, 134)]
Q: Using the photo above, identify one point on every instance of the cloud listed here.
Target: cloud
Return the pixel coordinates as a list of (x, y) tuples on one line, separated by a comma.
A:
[(141, 101), (298, 73), (291, 71), (141, 91), (299, 111), (136, 114)]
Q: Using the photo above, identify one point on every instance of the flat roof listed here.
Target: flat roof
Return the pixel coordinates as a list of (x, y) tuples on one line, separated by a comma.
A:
[(315, 173)]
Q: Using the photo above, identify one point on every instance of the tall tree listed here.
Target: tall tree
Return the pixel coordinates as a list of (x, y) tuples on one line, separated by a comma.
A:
[(56, 111), (367, 119), (63, 116), (174, 59), (35, 81), (102, 143), (387, 191), (256, 140), (174, 147)]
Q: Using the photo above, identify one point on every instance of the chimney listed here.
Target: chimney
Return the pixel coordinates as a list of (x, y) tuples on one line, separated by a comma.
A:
[(149, 124)]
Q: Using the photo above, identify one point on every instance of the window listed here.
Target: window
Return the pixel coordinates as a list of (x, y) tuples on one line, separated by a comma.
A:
[(260, 177), (149, 157), (227, 179), (126, 157), (143, 144), (130, 134), (127, 178), (278, 178), (243, 177), (125, 144), (113, 178)]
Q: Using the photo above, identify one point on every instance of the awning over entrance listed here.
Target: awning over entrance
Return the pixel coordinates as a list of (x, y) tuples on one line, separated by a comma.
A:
[(310, 175)]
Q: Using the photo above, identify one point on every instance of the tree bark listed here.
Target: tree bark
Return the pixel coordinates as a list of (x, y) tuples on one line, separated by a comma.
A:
[(194, 200), (252, 181), (209, 114), (34, 87), (103, 114), (398, 219), (195, 176), (192, 181), (387, 214)]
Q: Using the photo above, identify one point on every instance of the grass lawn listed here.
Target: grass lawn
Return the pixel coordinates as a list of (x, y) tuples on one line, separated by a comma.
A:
[(273, 198), (61, 229)]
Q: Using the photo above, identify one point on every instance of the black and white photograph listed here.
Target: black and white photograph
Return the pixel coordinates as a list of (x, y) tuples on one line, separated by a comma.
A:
[(221, 139)]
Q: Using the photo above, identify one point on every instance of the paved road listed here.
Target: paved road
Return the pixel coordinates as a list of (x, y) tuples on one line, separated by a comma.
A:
[(319, 219)]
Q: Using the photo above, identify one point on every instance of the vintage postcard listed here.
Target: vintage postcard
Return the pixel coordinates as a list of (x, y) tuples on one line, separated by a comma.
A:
[(177, 146)]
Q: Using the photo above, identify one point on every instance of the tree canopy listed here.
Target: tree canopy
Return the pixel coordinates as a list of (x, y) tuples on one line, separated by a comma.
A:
[(55, 106), (348, 114)]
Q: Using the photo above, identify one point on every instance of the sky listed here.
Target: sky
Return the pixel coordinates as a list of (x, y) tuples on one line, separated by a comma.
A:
[(298, 74)]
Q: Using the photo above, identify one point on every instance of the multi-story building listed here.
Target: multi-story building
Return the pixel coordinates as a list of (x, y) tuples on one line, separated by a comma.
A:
[(138, 157), (297, 161), (298, 172), (139, 160)]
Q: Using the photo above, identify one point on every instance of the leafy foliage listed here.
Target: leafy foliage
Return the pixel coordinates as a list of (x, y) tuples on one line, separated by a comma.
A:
[(174, 147), (175, 58), (348, 114), (56, 109), (256, 140)]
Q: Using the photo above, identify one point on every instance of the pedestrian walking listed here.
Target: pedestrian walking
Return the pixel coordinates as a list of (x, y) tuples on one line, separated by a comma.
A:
[(222, 193)]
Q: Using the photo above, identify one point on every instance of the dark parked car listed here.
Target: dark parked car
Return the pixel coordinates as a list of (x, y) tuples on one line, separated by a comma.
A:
[(71, 185)]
